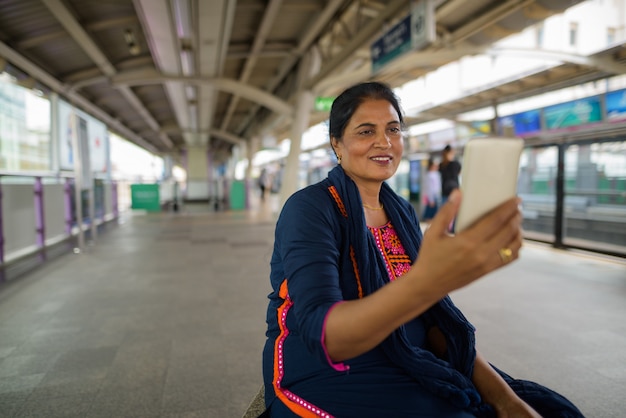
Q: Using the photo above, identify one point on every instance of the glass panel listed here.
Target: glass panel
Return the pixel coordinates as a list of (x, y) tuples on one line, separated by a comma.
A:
[(24, 128), (537, 188), (595, 196)]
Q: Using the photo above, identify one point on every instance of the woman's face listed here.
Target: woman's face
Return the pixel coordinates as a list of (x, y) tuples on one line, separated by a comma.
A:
[(372, 142)]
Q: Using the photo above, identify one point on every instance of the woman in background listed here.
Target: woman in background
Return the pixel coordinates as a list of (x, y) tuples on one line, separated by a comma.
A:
[(432, 192)]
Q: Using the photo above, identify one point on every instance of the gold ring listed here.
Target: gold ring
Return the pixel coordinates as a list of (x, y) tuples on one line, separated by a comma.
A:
[(506, 254)]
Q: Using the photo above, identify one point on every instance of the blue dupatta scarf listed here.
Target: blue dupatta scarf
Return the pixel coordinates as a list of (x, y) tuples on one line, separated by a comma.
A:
[(450, 378)]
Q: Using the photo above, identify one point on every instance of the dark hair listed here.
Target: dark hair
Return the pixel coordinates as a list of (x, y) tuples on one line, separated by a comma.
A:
[(347, 102), (447, 148)]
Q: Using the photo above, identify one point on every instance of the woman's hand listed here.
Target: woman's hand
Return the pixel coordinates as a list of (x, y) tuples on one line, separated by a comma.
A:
[(516, 408), (496, 392), (444, 263), (452, 262)]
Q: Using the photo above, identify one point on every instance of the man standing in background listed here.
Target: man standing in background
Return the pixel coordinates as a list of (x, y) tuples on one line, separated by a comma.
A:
[(449, 169)]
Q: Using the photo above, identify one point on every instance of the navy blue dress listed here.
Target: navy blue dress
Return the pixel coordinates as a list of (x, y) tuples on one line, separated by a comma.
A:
[(323, 256)]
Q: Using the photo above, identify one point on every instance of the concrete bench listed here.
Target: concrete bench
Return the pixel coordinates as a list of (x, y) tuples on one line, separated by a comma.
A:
[(256, 408)]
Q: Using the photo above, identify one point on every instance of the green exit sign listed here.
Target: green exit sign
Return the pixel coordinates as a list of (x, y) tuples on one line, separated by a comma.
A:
[(323, 104)]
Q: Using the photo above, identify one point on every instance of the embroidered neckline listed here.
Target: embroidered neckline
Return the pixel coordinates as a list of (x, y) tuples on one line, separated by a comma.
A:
[(378, 228), (397, 262)]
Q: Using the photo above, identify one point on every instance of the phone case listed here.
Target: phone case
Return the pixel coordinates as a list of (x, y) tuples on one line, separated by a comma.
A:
[(488, 176)]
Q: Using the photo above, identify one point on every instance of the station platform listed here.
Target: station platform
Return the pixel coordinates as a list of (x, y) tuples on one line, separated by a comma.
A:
[(164, 316)]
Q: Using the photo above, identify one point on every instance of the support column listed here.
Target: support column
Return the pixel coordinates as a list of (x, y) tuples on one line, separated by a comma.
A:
[(168, 165), (252, 147), (198, 186), (291, 174), (309, 67), (183, 156)]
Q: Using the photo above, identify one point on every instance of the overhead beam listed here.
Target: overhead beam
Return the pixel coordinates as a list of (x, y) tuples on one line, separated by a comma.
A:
[(602, 63), (304, 45), (139, 78), (269, 17), (69, 22), (35, 41), (227, 136), (212, 21), (218, 133), (63, 15), (364, 35), (485, 20), (155, 19)]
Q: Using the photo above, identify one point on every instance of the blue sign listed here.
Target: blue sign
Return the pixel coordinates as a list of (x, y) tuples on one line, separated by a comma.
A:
[(616, 105), (574, 113), (480, 128), (394, 43), (415, 31), (523, 123)]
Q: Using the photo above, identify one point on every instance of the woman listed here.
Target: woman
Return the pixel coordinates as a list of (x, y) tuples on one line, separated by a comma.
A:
[(432, 191), (358, 325)]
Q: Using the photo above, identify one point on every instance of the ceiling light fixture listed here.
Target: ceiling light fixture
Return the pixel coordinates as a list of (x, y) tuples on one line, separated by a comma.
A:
[(131, 42)]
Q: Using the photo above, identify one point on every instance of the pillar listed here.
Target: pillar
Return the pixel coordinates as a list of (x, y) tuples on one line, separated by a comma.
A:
[(305, 101), (198, 173), (309, 67)]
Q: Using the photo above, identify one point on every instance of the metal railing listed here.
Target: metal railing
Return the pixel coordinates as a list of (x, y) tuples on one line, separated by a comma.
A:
[(39, 210)]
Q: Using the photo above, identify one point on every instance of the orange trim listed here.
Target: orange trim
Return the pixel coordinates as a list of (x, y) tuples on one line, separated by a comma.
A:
[(335, 194), (297, 405), (283, 292), (355, 267), (342, 208)]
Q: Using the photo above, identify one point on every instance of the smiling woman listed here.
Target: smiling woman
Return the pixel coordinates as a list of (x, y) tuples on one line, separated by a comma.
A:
[(369, 144), (371, 147), (358, 325)]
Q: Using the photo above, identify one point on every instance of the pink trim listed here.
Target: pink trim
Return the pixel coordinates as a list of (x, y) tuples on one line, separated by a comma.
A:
[(340, 367), (282, 393)]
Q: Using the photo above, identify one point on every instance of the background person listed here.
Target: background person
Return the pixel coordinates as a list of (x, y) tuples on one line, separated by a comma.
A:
[(358, 324), (263, 182), (449, 169), (432, 192)]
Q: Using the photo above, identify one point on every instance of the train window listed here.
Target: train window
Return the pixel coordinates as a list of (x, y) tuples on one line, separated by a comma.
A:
[(537, 188), (595, 196)]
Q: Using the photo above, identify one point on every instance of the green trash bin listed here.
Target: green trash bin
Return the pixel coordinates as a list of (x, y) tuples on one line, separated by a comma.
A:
[(237, 195), (146, 197)]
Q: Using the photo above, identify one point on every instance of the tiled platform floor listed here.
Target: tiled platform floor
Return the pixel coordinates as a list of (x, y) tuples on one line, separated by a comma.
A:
[(164, 317)]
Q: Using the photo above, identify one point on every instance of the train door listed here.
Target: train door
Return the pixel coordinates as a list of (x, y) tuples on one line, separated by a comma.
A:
[(594, 208), (537, 187), (574, 194)]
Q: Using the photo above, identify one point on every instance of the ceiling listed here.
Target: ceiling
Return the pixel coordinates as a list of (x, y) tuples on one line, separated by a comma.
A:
[(174, 74), (574, 70)]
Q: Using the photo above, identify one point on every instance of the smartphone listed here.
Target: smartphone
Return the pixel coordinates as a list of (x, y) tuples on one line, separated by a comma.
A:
[(488, 176)]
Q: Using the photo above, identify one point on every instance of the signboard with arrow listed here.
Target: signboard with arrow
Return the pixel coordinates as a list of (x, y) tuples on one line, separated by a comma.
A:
[(414, 32)]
